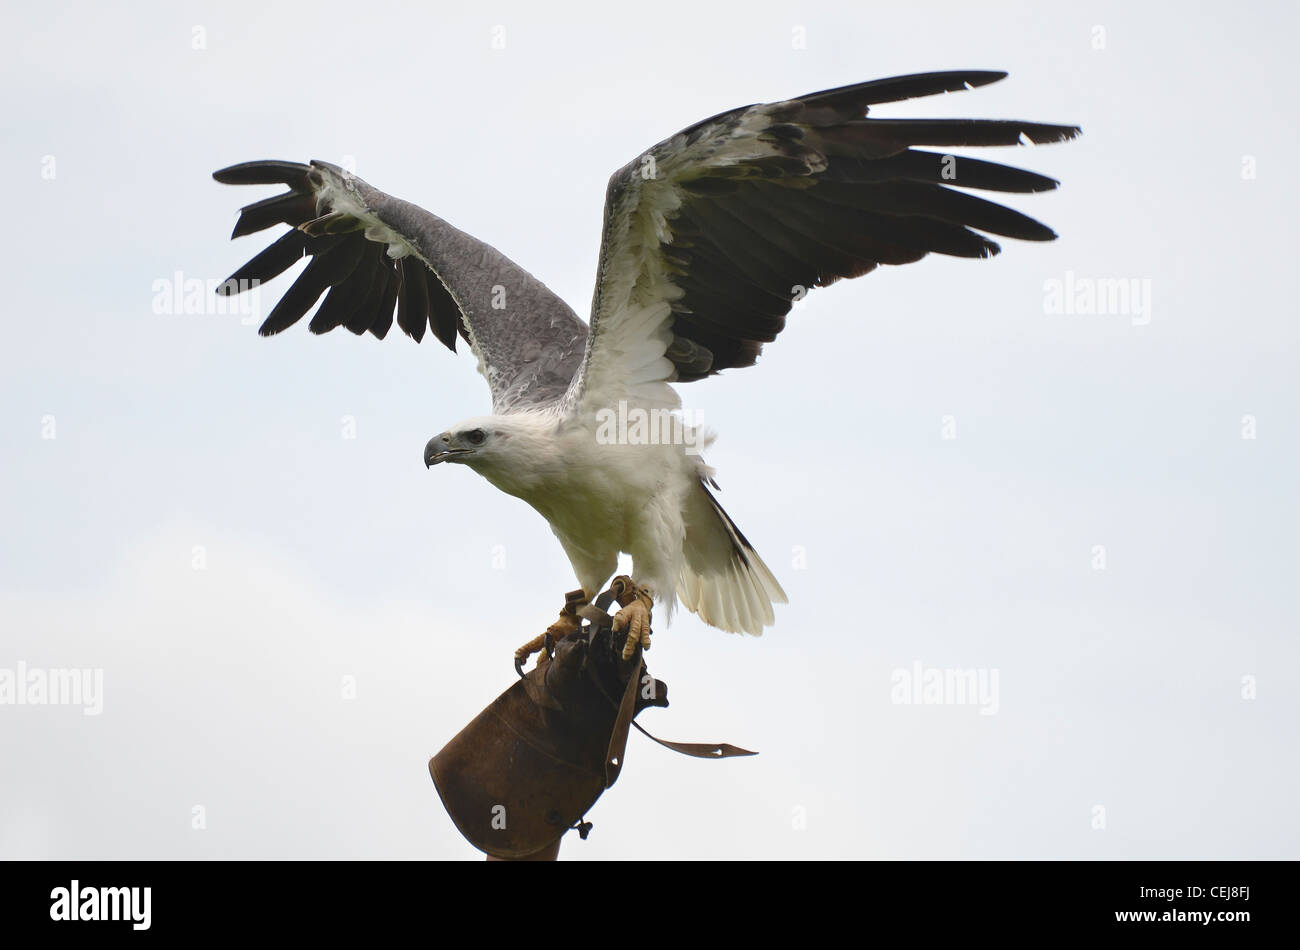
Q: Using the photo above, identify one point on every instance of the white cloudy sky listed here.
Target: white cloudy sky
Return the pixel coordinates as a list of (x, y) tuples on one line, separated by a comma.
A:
[(325, 557)]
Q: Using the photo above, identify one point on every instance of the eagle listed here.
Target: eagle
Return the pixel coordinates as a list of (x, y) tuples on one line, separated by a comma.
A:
[(709, 239)]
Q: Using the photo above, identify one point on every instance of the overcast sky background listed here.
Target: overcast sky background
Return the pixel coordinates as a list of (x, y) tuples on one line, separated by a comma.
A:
[(327, 557)]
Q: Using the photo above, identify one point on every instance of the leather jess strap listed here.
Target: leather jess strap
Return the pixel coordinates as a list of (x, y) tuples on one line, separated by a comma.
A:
[(598, 616)]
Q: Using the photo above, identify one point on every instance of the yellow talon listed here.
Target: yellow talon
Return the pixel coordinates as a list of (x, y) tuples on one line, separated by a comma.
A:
[(636, 602), (568, 622)]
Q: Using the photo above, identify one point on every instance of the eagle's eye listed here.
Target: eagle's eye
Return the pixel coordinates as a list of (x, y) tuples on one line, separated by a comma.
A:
[(475, 436)]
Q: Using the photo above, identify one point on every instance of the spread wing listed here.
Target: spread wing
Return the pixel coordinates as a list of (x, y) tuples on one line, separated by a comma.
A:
[(372, 254), (711, 235)]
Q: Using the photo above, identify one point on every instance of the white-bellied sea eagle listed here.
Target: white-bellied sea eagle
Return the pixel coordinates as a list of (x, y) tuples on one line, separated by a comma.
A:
[(709, 238)]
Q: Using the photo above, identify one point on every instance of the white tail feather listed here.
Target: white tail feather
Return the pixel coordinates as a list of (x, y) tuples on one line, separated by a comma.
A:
[(722, 578)]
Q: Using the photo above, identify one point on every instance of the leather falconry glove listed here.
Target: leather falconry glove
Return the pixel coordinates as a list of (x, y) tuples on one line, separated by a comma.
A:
[(530, 765)]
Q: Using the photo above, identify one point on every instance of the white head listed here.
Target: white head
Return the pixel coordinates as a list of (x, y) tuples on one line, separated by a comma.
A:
[(508, 451)]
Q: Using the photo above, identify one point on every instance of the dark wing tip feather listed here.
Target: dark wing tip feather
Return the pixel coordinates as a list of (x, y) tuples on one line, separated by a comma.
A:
[(1040, 133), (274, 260), (412, 299), (383, 320), (265, 172), (292, 208), (874, 137), (444, 314), (898, 88)]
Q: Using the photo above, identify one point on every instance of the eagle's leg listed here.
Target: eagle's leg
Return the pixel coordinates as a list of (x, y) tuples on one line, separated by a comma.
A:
[(568, 623), (636, 602)]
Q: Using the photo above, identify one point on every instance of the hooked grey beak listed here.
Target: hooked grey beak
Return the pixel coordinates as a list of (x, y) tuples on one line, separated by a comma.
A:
[(439, 451)]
